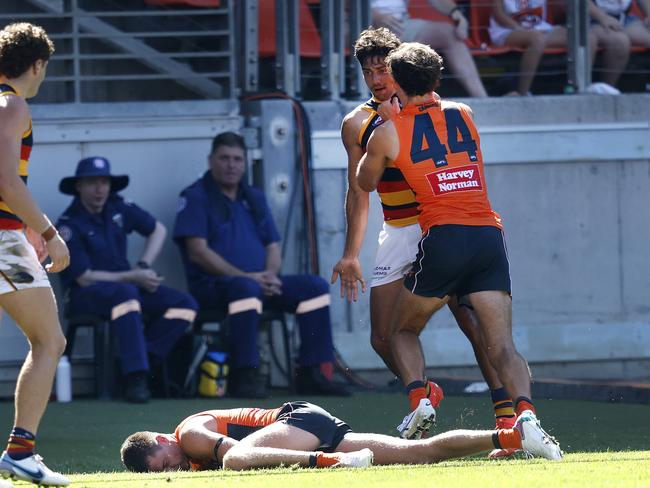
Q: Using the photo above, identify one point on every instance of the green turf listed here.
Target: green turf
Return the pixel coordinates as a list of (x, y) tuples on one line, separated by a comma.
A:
[(84, 436), (607, 470)]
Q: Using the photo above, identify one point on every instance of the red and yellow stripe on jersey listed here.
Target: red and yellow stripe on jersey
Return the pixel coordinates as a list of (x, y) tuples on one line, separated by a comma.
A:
[(440, 157), (236, 423), (397, 199), (9, 220)]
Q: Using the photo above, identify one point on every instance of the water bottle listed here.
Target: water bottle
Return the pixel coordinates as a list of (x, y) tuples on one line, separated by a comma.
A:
[(63, 380)]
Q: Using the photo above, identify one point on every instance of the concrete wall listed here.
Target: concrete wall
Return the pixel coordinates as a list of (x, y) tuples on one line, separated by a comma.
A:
[(162, 147), (570, 176)]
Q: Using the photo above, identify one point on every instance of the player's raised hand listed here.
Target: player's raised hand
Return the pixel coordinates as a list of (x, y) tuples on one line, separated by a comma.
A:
[(59, 254), (349, 271)]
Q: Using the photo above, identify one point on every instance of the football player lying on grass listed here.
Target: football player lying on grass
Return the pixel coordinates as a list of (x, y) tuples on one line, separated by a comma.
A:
[(303, 434)]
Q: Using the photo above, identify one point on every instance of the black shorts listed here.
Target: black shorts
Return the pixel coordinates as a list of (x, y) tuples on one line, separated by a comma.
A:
[(459, 260), (315, 420)]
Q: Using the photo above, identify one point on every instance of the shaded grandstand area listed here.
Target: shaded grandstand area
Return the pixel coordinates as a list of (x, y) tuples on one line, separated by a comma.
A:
[(146, 50), (118, 50)]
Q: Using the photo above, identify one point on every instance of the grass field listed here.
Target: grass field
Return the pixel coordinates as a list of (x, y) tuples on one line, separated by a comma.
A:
[(606, 444)]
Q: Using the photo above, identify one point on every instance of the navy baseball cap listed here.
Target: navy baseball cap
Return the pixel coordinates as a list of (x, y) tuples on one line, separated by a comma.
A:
[(94, 166)]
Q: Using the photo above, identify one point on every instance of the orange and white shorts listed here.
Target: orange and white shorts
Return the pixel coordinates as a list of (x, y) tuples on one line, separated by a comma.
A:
[(19, 266)]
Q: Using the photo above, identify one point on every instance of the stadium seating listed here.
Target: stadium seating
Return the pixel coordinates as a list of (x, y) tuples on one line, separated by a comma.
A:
[(205, 332), (422, 9), (480, 38), (310, 45)]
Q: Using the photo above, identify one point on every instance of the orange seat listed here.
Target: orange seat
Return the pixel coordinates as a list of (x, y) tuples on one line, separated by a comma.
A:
[(310, 45), (636, 10), (422, 9), (191, 3), (480, 11), (556, 12)]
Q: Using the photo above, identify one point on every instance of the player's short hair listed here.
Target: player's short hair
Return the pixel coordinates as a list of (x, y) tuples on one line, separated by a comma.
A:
[(416, 68), (21, 45), (136, 449), (374, 42), (230, 139)]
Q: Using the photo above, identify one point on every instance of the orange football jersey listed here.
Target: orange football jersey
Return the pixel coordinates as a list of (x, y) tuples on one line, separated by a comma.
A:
[(440, 157), (236, 423)]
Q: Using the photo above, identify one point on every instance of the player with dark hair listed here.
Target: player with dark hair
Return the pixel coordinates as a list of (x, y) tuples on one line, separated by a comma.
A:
[(462, 250), (25, 291), (398, 241), (300, 433)]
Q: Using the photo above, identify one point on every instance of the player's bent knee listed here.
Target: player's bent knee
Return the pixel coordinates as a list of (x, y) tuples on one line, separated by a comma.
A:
[(502, 354), (380, 344), (52, 345)]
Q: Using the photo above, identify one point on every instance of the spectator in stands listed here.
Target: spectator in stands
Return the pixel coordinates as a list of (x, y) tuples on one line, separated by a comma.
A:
[(616, 15), (524, 25), (445, 37), (230, 248), (101, 280)]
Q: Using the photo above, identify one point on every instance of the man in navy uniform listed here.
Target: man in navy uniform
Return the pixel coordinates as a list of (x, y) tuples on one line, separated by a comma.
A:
[(232, 257), (100, 278)]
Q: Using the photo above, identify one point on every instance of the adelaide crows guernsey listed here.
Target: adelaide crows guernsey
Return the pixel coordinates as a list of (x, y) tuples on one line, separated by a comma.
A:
[(397, 199), (9, 220)]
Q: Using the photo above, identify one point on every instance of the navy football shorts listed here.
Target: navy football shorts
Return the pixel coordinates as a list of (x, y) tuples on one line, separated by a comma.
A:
[(315, 420), (459, 260)]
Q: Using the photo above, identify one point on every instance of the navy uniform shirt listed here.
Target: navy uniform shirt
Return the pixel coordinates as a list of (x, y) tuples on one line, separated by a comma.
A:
[(238, 231), (98, 241)]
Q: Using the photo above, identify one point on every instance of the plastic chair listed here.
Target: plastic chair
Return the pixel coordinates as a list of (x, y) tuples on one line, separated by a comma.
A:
[(310, 44), (102, 351)]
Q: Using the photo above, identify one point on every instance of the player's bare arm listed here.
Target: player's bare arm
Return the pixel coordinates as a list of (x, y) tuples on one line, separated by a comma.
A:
[(383, 147), (14, 121), (348, 268), (200, 442)]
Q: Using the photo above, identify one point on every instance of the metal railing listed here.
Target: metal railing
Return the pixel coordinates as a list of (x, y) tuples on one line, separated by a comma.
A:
[(122, 54)]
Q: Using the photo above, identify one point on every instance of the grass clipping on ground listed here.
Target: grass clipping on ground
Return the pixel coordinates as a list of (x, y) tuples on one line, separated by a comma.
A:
[(619, 469)]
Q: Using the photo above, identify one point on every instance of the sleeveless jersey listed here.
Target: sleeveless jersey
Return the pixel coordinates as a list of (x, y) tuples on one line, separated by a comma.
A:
[(397, 199), (9, 220), (440, 157), (236, 423)]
